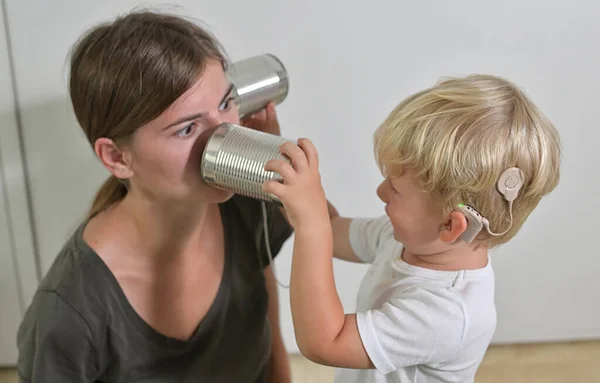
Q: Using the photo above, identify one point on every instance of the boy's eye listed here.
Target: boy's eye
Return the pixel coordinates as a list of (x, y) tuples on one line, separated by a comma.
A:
[(392, 186), (186, 131)]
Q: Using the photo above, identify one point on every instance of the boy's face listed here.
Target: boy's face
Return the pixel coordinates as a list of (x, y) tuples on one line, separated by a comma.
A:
[(415, 216)]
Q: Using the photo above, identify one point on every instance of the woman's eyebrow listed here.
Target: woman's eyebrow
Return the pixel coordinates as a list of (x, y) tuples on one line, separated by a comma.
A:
[(184, 119), (227, 94), (198, 115)]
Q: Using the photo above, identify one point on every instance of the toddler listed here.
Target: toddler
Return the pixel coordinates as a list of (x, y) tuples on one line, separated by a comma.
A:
[(464, 164)]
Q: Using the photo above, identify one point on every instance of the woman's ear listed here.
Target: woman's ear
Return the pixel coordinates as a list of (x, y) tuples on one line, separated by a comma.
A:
[(113, 158), (454, 227)]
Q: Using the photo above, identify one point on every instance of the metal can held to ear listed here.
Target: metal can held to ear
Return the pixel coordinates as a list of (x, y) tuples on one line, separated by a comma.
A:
[(258, 80), (234, 159)]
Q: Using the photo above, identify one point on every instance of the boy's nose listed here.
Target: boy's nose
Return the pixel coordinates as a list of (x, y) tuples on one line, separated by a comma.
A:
[(381, 193)]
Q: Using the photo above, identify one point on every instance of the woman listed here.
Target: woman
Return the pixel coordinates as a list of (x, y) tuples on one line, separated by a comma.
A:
[(168, 279)]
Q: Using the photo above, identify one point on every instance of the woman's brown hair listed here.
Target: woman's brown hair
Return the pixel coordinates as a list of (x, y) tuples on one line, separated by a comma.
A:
[(126, 73)]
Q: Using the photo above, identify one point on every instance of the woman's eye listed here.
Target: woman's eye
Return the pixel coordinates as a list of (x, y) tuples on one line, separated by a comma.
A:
[(226, 104), (186, 131)]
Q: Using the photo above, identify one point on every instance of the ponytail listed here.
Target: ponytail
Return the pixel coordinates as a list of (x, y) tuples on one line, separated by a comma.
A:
[(111, 192)]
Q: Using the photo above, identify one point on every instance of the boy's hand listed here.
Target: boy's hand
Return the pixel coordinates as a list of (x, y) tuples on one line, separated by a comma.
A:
[(301, 191)]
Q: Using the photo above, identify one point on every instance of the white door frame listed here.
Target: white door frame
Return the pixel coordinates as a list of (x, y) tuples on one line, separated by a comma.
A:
[(14, 178)]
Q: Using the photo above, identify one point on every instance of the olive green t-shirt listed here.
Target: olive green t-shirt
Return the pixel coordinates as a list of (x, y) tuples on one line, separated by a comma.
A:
[(80, 327)]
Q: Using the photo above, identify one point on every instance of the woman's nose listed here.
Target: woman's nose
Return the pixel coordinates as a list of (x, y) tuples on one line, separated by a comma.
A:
[(213, 119)]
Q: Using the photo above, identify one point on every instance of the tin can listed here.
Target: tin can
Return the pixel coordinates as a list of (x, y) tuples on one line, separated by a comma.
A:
[(234, 159), (257, 81)]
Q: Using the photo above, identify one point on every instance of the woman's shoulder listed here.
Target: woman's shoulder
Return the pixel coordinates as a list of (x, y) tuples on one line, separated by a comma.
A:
[(58, 331), (69, 266), (242, 205), (250, 211), (75, 279), (248, 215)]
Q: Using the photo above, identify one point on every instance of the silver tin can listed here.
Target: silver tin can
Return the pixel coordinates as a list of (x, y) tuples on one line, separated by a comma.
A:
[(234, 159), (258, 80)]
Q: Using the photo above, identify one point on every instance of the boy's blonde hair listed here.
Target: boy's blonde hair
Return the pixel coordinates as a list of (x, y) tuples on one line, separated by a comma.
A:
[(460, 135)]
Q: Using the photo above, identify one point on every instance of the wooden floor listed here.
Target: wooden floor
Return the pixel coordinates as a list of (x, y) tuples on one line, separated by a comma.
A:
[(549, 363)]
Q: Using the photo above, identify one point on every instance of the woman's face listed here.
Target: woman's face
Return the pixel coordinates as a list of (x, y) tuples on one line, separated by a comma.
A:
[(166, 152)]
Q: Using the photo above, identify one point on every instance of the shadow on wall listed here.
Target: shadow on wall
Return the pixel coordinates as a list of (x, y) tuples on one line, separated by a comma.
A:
[(62, 171)]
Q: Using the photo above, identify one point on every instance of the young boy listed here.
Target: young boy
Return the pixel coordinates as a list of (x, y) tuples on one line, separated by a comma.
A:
[(465, 163)]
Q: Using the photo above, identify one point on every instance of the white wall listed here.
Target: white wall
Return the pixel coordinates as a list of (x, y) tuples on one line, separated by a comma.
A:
[(10, 308), (350, 64), (18, 275)]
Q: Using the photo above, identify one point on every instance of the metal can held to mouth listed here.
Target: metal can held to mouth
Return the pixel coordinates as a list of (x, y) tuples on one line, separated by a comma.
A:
[(235, 156), (234, 159), (257, 81)]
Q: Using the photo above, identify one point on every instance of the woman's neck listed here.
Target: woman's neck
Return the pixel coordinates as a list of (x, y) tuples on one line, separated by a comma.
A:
[(166, 230)]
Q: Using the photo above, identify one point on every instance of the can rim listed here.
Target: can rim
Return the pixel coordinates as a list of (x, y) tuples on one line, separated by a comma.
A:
[(211, 150), (283, 75)]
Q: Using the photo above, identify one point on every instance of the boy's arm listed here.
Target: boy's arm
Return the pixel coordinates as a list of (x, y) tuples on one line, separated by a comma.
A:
[(324, 333), (410, 328), (341, 235)]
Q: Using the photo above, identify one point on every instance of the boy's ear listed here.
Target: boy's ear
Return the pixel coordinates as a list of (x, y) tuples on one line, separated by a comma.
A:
[(454, 227)]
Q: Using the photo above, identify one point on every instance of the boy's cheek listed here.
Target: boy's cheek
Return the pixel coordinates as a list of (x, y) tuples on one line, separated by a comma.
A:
[(399, 231)]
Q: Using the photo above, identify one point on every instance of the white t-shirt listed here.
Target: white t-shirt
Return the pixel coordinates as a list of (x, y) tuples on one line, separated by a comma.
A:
[(418, 325)]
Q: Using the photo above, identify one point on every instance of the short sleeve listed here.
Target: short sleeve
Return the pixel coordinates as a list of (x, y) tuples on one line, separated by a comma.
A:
[(250, 212), (279, 231), (416, 327), (55, 343), (366, 234)]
